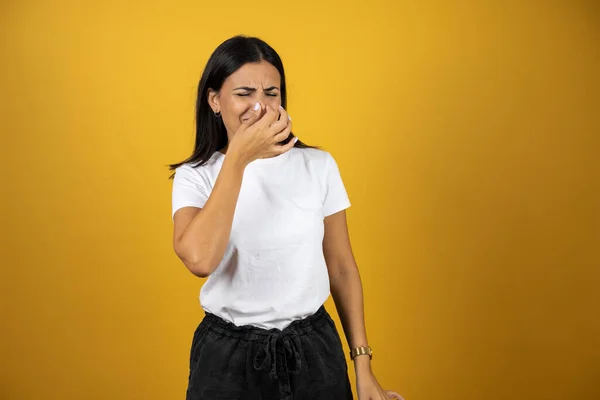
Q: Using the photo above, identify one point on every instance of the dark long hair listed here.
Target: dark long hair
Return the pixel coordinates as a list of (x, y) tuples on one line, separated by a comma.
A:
[(231, 55)]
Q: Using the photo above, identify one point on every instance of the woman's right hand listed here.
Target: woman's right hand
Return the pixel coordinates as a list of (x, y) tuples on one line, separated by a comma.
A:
[(260, 135)]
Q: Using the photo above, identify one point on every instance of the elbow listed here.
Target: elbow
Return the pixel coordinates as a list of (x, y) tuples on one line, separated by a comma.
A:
[(343, 275), (198, 264), (198, 270), (198, 267)]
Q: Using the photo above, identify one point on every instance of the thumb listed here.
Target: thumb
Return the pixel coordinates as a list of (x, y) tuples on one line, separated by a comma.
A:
[(257, 112)]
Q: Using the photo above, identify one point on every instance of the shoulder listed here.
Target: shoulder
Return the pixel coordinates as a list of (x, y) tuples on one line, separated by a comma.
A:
[(187, 172), (312, 155), (193, 171)]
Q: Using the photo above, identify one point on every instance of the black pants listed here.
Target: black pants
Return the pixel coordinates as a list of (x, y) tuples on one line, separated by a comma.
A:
[(305, 361)]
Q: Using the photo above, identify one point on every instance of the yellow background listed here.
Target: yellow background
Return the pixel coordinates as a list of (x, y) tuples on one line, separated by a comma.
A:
[(467, 136)]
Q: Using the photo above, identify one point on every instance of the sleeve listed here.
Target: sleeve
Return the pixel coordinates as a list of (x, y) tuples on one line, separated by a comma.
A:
[(336, 197), (189, 189)]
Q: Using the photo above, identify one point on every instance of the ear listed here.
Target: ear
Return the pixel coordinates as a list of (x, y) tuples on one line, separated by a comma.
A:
[(213, 100)]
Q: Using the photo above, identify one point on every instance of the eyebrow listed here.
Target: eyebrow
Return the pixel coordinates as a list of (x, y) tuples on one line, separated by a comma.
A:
[(269, 89)]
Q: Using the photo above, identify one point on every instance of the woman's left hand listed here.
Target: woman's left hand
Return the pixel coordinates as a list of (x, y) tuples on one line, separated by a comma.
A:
[(369, 389)]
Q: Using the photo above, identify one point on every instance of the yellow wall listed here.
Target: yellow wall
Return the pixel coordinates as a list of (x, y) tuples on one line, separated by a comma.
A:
[(466, 136)]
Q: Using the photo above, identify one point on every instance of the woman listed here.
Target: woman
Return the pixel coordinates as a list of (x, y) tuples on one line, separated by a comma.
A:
[(262, 215)]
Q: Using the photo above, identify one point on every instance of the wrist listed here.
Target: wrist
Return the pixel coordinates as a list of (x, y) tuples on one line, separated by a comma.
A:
[(361, 356), (236, 160), (362, 364)]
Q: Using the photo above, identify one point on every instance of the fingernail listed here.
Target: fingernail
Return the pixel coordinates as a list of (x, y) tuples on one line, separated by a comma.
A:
[(281, 108), (256, 106), (295, 139), (290, 118)]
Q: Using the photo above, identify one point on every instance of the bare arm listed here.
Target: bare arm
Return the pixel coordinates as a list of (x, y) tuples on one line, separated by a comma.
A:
[(200, 236), (346, 288), (345, 282)]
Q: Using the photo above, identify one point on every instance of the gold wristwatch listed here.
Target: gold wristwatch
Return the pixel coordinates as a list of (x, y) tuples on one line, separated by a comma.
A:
[(360, 351)]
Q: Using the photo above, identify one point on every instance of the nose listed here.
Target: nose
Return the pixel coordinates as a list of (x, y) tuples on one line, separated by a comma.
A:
[(271, 100)]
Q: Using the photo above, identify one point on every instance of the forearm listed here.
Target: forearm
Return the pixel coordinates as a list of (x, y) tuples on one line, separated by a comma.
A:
[(204, 241), (347, 293)]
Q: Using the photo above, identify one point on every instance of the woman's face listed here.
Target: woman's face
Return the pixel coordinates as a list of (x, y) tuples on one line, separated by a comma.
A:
[(252, 83)]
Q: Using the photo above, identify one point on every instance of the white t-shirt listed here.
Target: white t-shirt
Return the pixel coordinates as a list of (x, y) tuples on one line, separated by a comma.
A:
[(273, 271)]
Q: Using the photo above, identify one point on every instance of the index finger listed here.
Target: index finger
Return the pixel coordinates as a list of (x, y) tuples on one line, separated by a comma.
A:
[(270, 115)]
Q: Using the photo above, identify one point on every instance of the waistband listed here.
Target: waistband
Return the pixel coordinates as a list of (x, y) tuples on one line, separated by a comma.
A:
[(249, 332), (278, 352)]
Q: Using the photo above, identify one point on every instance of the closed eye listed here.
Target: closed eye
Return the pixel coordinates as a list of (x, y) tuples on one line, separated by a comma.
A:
[(248, 94), (247, 91)]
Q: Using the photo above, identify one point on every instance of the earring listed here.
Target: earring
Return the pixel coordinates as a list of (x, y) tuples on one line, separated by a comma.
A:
[(218, 114)]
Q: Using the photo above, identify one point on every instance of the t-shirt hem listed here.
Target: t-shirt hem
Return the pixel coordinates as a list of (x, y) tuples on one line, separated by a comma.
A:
[(339, 208), (179, 207)]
